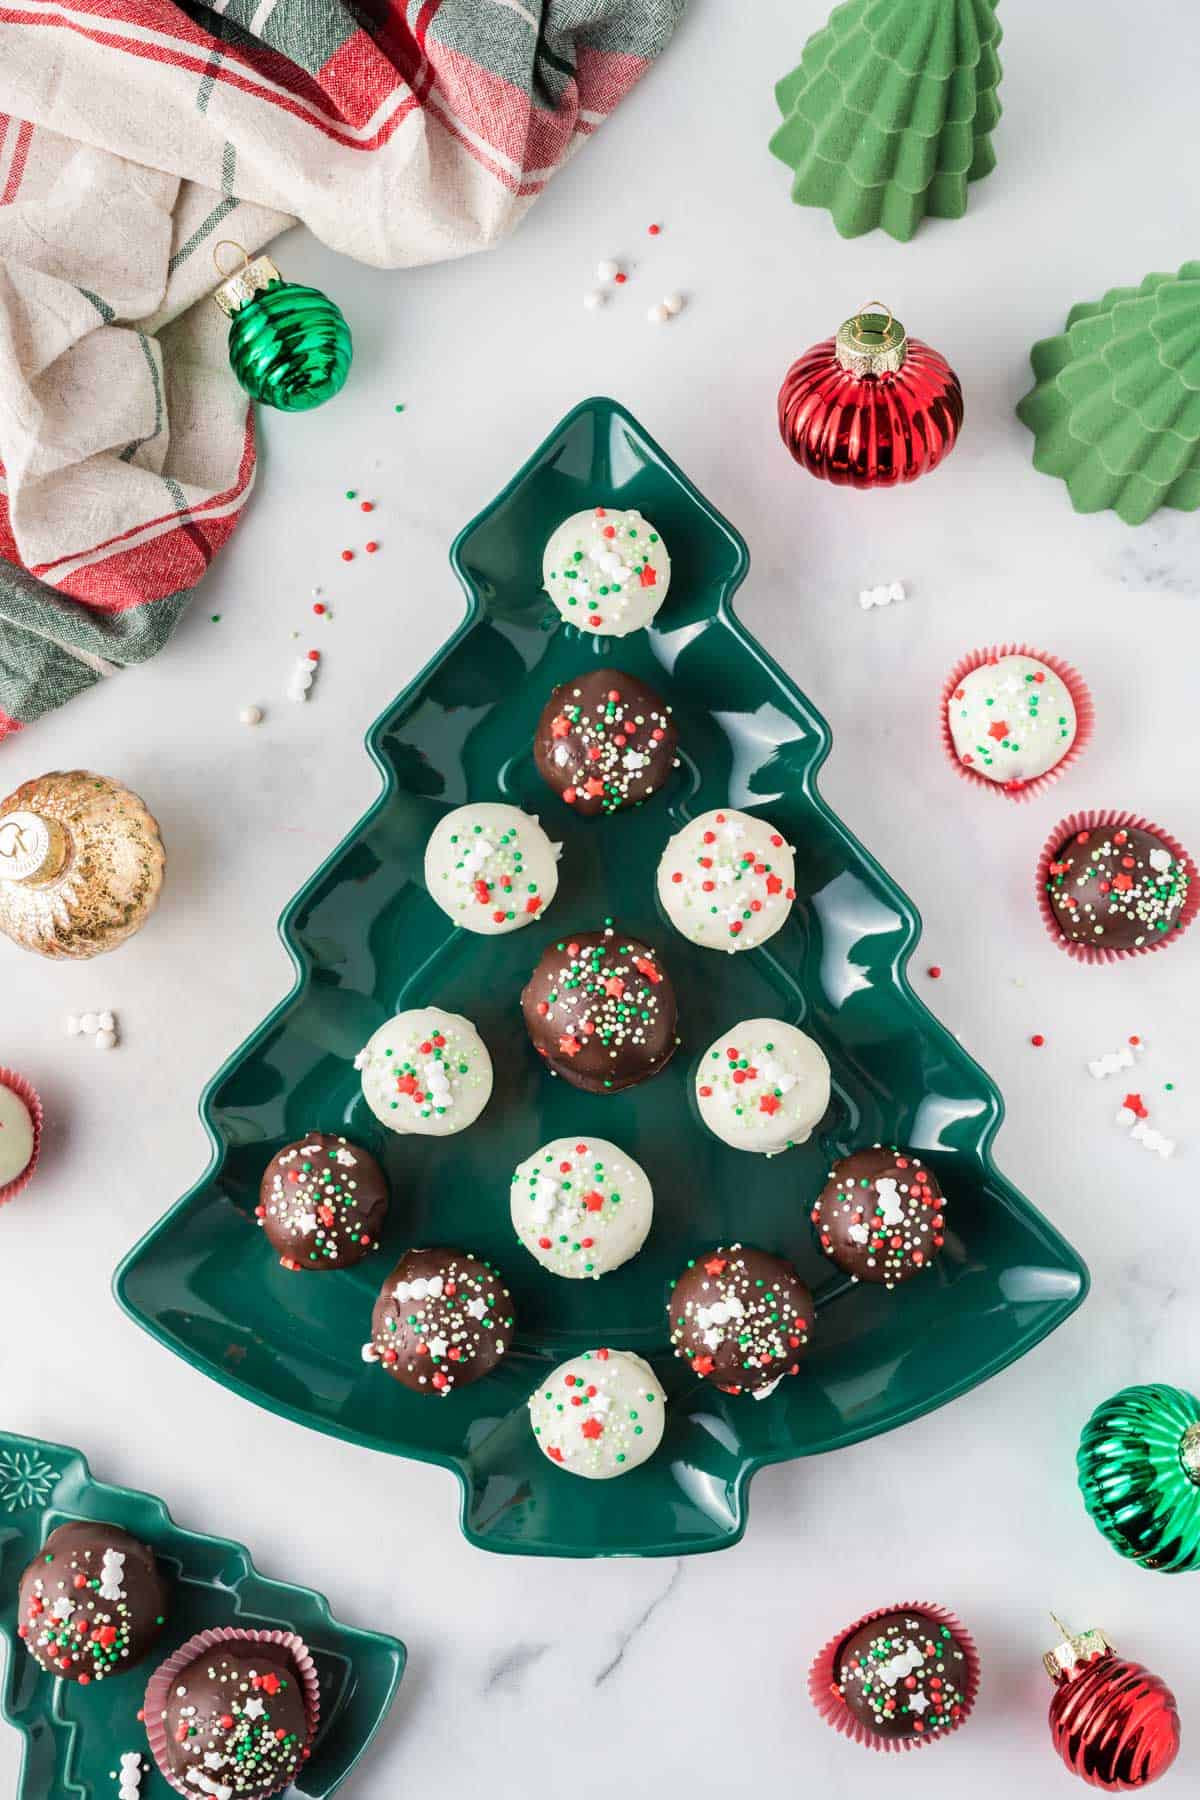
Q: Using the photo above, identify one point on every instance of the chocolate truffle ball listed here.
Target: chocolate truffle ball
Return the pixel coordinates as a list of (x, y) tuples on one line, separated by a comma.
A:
[(727, 880), (1116, 888), (599, 1415), (235, 1721), (881, 1215), (92, 1603), (491, 868), (1011, 719), (601, 1009), (741, 1318), (442, 1320), (322, 1202), (606, 571), (904, 1674), (605, 741)]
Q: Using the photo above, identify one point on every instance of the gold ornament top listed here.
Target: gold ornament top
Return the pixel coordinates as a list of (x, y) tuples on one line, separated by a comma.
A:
[(1074, 1649), (81, 864), (255, 274), (871, 343), (1189, 1453)]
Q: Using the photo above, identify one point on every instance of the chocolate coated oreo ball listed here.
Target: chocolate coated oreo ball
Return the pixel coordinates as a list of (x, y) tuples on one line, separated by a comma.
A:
[(605, 741), (92, 1603), (322, 1203), (881, 1215), (235, 1723), (741, 1318), (600, 1008), (442, 1320)]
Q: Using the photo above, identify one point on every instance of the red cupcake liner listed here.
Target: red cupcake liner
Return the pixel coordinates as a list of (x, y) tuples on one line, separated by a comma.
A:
[(157, 1691), (1101, 821), (822, 1688), (25, 1091), (1072, 680)]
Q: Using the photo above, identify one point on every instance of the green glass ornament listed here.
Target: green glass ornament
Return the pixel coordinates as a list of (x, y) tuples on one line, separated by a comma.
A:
[(890, 112), (1139, 1472), (289, 346)]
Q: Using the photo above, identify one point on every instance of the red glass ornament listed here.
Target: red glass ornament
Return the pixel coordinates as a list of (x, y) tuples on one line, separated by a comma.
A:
[(1113, 1722), (870, 407)]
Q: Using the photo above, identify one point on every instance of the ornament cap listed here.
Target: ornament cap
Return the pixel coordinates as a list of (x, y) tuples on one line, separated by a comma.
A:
[(32, 848), (873, 342), (255, 274), (1189, 1452), (1075, 1648)]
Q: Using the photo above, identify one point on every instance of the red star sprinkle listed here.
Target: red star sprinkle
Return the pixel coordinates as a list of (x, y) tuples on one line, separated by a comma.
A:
[(569, 1046), (592, 1427), (647, 577), (714, 1265), (553, 1451), (594, 1202), (1135, 1104), (560, 726), (614, 987), (769, 1103), (593, 787), (704, 1365), (998, 729)]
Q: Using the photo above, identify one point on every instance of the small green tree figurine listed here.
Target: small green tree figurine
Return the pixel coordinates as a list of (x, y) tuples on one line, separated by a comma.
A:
[(889, 114), (1115, 409)]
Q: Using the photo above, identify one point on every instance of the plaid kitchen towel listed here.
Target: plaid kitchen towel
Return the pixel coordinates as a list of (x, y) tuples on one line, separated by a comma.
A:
[(133, 134)]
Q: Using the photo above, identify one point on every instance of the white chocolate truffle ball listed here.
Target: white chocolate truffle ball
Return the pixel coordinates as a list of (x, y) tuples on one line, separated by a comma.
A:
[(581, 1206), (727, 880), (607, 572), (1011, 719), (491, 868), (600, 1414), (762, 1085), (427, 1072), (16, 1136)]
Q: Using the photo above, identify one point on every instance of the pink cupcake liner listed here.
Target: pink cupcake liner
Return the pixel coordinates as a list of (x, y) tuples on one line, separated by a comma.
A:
[(25, 1091), (1101, 821), (822, 1689), (1072, 680), (157, 1690)]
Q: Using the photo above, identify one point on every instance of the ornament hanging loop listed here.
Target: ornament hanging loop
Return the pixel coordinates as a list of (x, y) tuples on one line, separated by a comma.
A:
[(229, 244), (873, 342)]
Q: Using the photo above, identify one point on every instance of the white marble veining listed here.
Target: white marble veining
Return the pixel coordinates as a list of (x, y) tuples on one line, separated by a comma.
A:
[(531, 1680)]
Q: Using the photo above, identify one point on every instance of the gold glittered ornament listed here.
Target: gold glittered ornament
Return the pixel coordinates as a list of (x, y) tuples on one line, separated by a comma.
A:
[(81, 864)]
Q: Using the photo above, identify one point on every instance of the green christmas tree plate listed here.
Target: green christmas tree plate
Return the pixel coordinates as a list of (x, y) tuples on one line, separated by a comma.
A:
[(75, 1736), (368, 941)]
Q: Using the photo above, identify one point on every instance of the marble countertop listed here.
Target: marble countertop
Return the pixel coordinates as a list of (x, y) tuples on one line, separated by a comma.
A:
[(532, 1679)]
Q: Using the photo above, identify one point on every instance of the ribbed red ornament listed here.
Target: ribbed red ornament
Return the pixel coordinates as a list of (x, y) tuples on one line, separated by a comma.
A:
[(1113, 1722), (870, 407)]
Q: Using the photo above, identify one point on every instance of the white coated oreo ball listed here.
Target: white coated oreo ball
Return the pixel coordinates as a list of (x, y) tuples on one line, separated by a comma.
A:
[(727, 880), (427, 1072), (1011, 719), (491, 868), (600, 1414), (607, 572), (762, 1085), (16, 1135), (581, 1206)]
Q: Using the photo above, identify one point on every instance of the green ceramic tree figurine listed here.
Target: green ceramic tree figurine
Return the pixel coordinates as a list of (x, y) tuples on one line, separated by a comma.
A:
[(1139, 1472), (889, 114), (1115, 409)]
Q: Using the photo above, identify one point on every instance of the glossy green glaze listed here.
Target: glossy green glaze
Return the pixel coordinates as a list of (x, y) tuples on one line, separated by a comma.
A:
[(75, 1736), (367, 940)]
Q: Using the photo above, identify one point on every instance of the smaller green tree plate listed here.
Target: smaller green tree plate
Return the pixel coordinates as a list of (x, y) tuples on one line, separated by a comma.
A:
[(75, 1736)]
